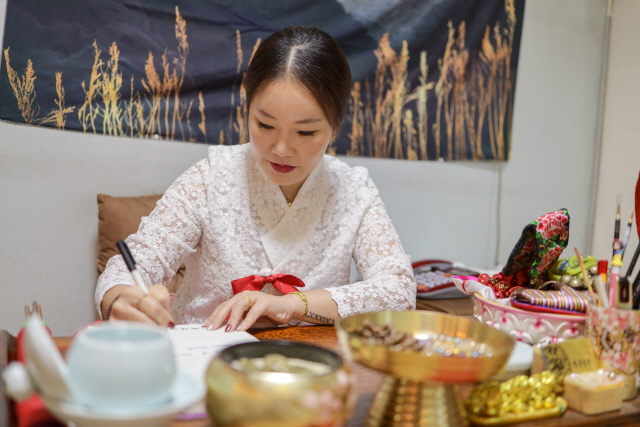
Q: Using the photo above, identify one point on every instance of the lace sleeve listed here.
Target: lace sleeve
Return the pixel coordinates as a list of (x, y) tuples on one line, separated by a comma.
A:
[(387, 277), (165, 237)]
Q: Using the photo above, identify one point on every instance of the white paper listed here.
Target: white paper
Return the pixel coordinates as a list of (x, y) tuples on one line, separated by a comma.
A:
[(194, 348)]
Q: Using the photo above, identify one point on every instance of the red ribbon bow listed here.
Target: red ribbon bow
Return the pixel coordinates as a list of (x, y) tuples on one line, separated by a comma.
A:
[(285, 283)]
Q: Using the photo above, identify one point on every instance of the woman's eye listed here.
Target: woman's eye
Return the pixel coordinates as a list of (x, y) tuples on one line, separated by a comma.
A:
[(306, 132), (264, 125)]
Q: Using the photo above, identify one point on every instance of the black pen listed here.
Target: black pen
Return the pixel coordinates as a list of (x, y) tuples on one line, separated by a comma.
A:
[(636, 292), (617, 244), (635, 287), (131, 265), (627, 234), (633, 261)]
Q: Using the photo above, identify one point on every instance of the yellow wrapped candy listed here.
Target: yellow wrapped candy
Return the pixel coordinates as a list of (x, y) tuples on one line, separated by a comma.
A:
[(517, 399)]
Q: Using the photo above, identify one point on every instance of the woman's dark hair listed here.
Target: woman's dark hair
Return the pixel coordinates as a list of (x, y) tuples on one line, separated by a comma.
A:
[(313, 59)]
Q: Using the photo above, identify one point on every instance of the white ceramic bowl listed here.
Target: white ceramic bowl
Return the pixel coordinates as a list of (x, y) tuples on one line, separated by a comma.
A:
[(528, 326), (122, 365)]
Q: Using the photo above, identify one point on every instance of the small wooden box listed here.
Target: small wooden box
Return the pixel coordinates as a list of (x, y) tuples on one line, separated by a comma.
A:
[(593, 392)]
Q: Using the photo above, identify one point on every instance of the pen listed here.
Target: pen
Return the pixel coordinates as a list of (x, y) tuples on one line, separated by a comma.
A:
[(616, 230), (632, 264), (603, 301), (636, 293), (627, 234), (614, 276), (131, 265), (603, 266)]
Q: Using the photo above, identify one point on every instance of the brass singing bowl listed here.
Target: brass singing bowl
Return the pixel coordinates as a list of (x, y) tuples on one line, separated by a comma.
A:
[(441, 368), (265, 399)]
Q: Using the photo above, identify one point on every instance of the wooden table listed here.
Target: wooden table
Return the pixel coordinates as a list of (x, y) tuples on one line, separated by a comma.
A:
[(368, 382)]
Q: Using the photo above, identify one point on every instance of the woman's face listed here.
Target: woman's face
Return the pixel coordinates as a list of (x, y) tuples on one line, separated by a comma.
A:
[(289, 133)]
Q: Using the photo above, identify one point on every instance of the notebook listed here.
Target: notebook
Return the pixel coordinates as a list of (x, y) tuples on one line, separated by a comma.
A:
[(194, 348)]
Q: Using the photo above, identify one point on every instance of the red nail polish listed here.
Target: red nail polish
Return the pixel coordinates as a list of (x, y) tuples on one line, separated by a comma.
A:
[(171, 325), (228, 328)]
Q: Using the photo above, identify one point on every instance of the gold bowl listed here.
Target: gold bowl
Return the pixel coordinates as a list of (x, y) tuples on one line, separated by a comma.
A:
[(257, 398), (421, 386)]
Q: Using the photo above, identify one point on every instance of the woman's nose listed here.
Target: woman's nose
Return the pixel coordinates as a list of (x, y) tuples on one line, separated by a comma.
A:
[(282, 146)]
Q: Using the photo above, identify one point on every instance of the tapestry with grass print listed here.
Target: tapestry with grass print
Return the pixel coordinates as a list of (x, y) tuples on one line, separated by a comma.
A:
[(432, 79)]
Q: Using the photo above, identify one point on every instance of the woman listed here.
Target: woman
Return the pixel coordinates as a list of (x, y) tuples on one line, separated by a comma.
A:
[(277, 205)]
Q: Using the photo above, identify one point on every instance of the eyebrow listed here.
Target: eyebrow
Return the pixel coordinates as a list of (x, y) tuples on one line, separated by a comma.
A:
[(305, 121)]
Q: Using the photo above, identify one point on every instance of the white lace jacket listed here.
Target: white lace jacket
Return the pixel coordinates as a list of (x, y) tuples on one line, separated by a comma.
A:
[(224, 219)]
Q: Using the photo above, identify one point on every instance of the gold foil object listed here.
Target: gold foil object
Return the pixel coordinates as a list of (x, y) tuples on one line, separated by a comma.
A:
[(277, 399), (574, 355), (517, 399), (421, 386)]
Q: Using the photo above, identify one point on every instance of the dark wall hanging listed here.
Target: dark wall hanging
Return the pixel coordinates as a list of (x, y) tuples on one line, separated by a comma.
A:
[(432, 79)]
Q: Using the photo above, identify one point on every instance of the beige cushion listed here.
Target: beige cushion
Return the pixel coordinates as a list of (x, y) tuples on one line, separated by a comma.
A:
[(119, 217)]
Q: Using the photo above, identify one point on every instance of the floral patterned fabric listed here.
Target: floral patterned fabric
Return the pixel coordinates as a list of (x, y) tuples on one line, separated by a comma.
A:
[(541, 243)]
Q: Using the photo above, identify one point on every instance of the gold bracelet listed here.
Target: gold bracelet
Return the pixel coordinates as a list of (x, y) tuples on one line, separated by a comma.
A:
[(303, 297)]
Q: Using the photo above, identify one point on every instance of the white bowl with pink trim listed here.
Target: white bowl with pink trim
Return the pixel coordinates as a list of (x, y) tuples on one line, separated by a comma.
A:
[(528, 326)]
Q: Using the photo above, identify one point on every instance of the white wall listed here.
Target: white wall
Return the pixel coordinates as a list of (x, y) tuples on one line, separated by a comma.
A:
[(48, 225), (620, 157), (467, 212), (555, 119)]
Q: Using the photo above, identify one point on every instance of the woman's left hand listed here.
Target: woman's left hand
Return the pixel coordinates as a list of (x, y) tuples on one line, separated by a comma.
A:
[(252, 305)]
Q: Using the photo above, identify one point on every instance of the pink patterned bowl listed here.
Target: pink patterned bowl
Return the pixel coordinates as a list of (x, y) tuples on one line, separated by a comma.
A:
[(528, 326)]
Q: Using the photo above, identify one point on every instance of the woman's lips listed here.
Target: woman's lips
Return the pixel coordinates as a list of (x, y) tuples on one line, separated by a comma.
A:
[(282, 168)]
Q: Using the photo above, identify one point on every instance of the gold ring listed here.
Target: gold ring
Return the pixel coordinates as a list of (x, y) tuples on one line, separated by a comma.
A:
[(140, 301), (248, 299)]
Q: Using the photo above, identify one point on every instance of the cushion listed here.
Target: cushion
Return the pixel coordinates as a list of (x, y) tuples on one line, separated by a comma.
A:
[(118, 218)]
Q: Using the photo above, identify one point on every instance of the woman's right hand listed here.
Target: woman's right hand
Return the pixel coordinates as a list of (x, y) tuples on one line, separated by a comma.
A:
[(134, 305)]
